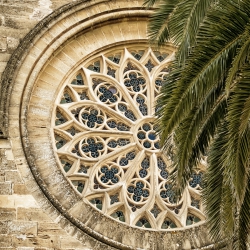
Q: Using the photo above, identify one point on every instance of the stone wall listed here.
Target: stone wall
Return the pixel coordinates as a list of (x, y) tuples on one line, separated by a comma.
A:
[(23, 223), (17, 18)]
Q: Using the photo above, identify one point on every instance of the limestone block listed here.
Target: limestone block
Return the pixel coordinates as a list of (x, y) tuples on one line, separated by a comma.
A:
[(25, 248), (4, 144), (11, 32), (39, 111), (6, 201), (109, 35), (10, 22), (43, 91), (2, 176), (70, 52), (13, 176), (20, 227), (70, 243), (68, 60), (3, 44), (5, 56), (50, 228), (116, 30), (75, 45), (3, 160), (5, 241), (42, 10), (41, 44), (39, 122), (57, 3), (32, 214), (3, 227), (2, 20), (10, 158), (15, 7), (40, 243), (5, 188), (20, 189), (24, 201), (7, 214), (186, 245)]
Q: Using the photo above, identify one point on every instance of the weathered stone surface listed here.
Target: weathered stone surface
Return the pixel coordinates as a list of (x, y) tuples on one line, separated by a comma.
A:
[(32, 214), (7, 214), (20, 189), (3, 227), (49, 228), (27, 201), (5, 241), (70, 243), (2, 176), (12, 43), (5, 188), (30, 241), (6, 201), (3, 44), (20, 227), (13, 176)]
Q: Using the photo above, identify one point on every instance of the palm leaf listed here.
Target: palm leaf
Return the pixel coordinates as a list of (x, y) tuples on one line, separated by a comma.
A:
[(150, 3), (158, 30), (202, 71), (244, 221), (179, 22), (185, 23), (205, 106), (239, 60), (213, 185), (238, 145), (196, 132)]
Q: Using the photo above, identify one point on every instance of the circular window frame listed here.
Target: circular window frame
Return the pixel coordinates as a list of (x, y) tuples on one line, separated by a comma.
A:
[(26, 67), (130, 46)]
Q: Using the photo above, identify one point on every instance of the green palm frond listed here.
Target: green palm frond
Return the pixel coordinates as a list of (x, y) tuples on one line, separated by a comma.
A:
[(244, 221), (228, 213), (213, 185), (150, 3), (195, 133), (220, 204), (178, 21), (239, 60), (245, 114), (205, 105), (185, 23), (188, 92), (158, 29), (207, 66), (238, 145)]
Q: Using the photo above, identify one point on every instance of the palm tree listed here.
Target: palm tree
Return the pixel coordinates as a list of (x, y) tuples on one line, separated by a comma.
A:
[(206, 105)]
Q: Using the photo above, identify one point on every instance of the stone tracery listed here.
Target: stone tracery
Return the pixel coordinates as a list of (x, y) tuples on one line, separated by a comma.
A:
[(107, 145)]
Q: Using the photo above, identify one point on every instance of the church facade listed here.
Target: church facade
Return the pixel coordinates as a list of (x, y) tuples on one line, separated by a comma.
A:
[(80, 163)]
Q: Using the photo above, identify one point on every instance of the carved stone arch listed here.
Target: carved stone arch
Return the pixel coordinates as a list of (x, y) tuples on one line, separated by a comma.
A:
[(50, 56)]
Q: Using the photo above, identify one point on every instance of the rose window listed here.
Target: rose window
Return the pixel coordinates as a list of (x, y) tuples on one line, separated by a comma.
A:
[(107, 145)]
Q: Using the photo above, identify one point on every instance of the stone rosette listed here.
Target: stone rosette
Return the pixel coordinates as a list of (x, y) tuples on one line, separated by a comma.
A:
[(36, 73)]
